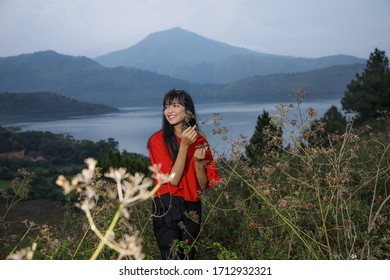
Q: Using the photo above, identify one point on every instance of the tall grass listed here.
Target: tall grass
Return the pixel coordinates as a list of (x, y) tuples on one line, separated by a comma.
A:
[(303, 201)]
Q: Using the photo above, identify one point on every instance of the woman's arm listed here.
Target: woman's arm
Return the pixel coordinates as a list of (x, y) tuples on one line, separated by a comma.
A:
[(188, 137), (199, 157)]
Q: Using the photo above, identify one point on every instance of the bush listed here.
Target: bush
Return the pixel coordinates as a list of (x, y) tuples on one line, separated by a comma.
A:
[(6, 173)]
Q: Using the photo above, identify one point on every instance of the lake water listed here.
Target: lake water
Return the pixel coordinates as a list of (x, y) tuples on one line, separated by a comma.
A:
[(131, 127)]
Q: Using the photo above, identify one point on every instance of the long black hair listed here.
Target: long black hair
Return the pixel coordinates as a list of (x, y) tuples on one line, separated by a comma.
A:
[(184, 98)]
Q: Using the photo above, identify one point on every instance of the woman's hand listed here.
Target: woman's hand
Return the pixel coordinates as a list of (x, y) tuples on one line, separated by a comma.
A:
[(189, 135), (200, 154)]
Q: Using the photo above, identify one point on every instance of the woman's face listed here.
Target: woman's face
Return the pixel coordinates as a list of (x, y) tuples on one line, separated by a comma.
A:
[(174, 113)]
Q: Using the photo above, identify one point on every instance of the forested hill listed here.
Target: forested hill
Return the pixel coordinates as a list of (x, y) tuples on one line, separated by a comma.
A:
[(82, 78), (88, 81), (45, 105), (329, 82)]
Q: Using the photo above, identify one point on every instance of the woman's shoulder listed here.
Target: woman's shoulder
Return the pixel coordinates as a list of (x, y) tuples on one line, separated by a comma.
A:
[(158, 135)]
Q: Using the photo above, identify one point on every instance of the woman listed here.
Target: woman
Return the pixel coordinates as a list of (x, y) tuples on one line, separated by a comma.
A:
[(181, 151)]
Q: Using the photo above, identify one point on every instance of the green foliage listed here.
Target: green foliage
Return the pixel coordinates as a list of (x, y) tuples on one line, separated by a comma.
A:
[(132, 162), (17, 192), (180, 249), (333, 123), (262, 143), (57, 148), (6, 173), (57, 154), (319, 203), (369, 93), (223, 253)]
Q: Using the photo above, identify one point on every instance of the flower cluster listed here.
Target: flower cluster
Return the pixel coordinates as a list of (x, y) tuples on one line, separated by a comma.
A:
[(24, 254), (129, 190)]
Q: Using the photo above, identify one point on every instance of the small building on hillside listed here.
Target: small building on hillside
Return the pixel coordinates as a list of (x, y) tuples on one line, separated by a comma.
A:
[(19, 155)]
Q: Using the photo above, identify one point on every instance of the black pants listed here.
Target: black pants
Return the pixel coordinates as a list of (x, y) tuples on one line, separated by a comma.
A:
[(176, 219)]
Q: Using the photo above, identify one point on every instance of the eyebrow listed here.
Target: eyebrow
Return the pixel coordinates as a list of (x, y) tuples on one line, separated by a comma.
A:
[(172, 103)]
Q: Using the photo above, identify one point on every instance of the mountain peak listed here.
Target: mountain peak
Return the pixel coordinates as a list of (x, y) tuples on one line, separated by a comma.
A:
[(175, 31), (169, 50), (171, 36), (52, 57)]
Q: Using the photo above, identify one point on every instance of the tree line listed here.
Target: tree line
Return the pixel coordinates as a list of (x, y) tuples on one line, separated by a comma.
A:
[(58, 153), (367, 99)]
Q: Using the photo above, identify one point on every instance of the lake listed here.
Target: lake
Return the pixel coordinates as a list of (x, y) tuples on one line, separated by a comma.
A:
[(131, 127)]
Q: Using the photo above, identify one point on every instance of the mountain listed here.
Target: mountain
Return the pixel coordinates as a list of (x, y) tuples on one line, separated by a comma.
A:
[(189, 56), (43, 105), (238, 67), (82, 78), (322, 83), (168, 52), (86, 80)]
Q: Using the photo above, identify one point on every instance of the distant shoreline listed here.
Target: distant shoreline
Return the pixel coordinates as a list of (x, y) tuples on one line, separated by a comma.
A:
[(10, 120), (46, 106)]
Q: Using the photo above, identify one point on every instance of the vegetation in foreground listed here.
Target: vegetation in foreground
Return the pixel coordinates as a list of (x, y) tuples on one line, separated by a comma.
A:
[(324, 195)]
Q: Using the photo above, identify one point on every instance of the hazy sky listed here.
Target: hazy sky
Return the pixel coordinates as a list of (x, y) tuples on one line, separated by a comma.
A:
[(305, 28)]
